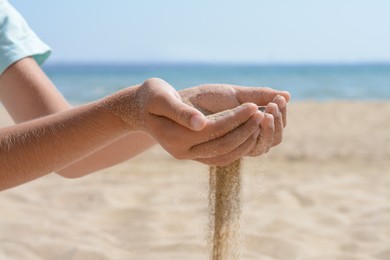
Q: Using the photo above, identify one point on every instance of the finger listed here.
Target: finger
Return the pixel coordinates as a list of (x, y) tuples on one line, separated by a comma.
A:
[(222, 123), (171, 135), (230, 157), (260, 96), (281, 102), (170, 106), (265, 137), (272, 108), (228, 142)]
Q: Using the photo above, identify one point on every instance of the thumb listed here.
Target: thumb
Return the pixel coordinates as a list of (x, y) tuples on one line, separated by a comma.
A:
[(173, 108)]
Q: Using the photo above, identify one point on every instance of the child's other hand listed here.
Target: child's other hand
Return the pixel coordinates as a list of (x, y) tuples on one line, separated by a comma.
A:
[(213, 98)]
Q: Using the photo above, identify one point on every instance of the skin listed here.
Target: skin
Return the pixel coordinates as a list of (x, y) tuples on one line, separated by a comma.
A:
[(223, 97), (50, 135)]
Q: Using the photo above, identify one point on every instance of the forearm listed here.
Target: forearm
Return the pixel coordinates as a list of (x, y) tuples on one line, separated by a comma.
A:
[(25, 82), (116, 152), (35, 148), (122, 104)]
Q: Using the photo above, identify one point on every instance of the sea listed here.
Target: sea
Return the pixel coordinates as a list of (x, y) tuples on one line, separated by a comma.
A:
[(81, 83)]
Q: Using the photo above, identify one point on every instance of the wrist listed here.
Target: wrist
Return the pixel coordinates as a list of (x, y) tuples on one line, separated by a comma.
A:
[(124, 107)]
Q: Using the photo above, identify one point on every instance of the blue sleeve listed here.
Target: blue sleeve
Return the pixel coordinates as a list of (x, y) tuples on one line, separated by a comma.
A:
[(17, 40)]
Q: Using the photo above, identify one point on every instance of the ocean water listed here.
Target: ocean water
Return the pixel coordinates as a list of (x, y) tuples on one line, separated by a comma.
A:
[(81, 83)]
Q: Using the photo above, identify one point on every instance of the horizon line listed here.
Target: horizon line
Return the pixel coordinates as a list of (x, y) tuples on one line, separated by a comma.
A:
[(203, 63)]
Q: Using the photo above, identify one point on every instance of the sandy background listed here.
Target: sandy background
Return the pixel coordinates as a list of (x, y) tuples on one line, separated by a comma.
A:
[(323, 194)]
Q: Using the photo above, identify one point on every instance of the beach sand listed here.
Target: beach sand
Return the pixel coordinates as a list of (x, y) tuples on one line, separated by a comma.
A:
[(322, 194)]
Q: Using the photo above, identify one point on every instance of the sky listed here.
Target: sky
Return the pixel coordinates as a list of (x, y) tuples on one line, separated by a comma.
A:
[(215, 31)]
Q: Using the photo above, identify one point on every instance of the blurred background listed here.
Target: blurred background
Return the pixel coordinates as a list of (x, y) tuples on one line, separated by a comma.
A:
[(317, 50)]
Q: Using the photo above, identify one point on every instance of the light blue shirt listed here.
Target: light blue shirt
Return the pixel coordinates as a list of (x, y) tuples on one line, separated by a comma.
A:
[(17, 40)]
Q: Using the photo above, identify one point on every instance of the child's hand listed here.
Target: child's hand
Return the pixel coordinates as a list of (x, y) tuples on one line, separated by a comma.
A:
[(213, 98), (276, 115), (156, 108)]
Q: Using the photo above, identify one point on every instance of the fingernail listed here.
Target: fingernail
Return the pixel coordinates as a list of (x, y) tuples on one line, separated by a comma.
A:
[(197, 122)]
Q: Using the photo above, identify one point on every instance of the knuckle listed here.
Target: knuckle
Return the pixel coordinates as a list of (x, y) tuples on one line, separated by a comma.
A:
[(152, 81)]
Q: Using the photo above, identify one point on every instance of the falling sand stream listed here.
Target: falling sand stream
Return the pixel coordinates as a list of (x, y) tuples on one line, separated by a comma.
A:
[(225, 208)]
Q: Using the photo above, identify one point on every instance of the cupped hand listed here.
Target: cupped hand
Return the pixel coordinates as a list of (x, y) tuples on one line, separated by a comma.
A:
[(213, 98), (182, 130)]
